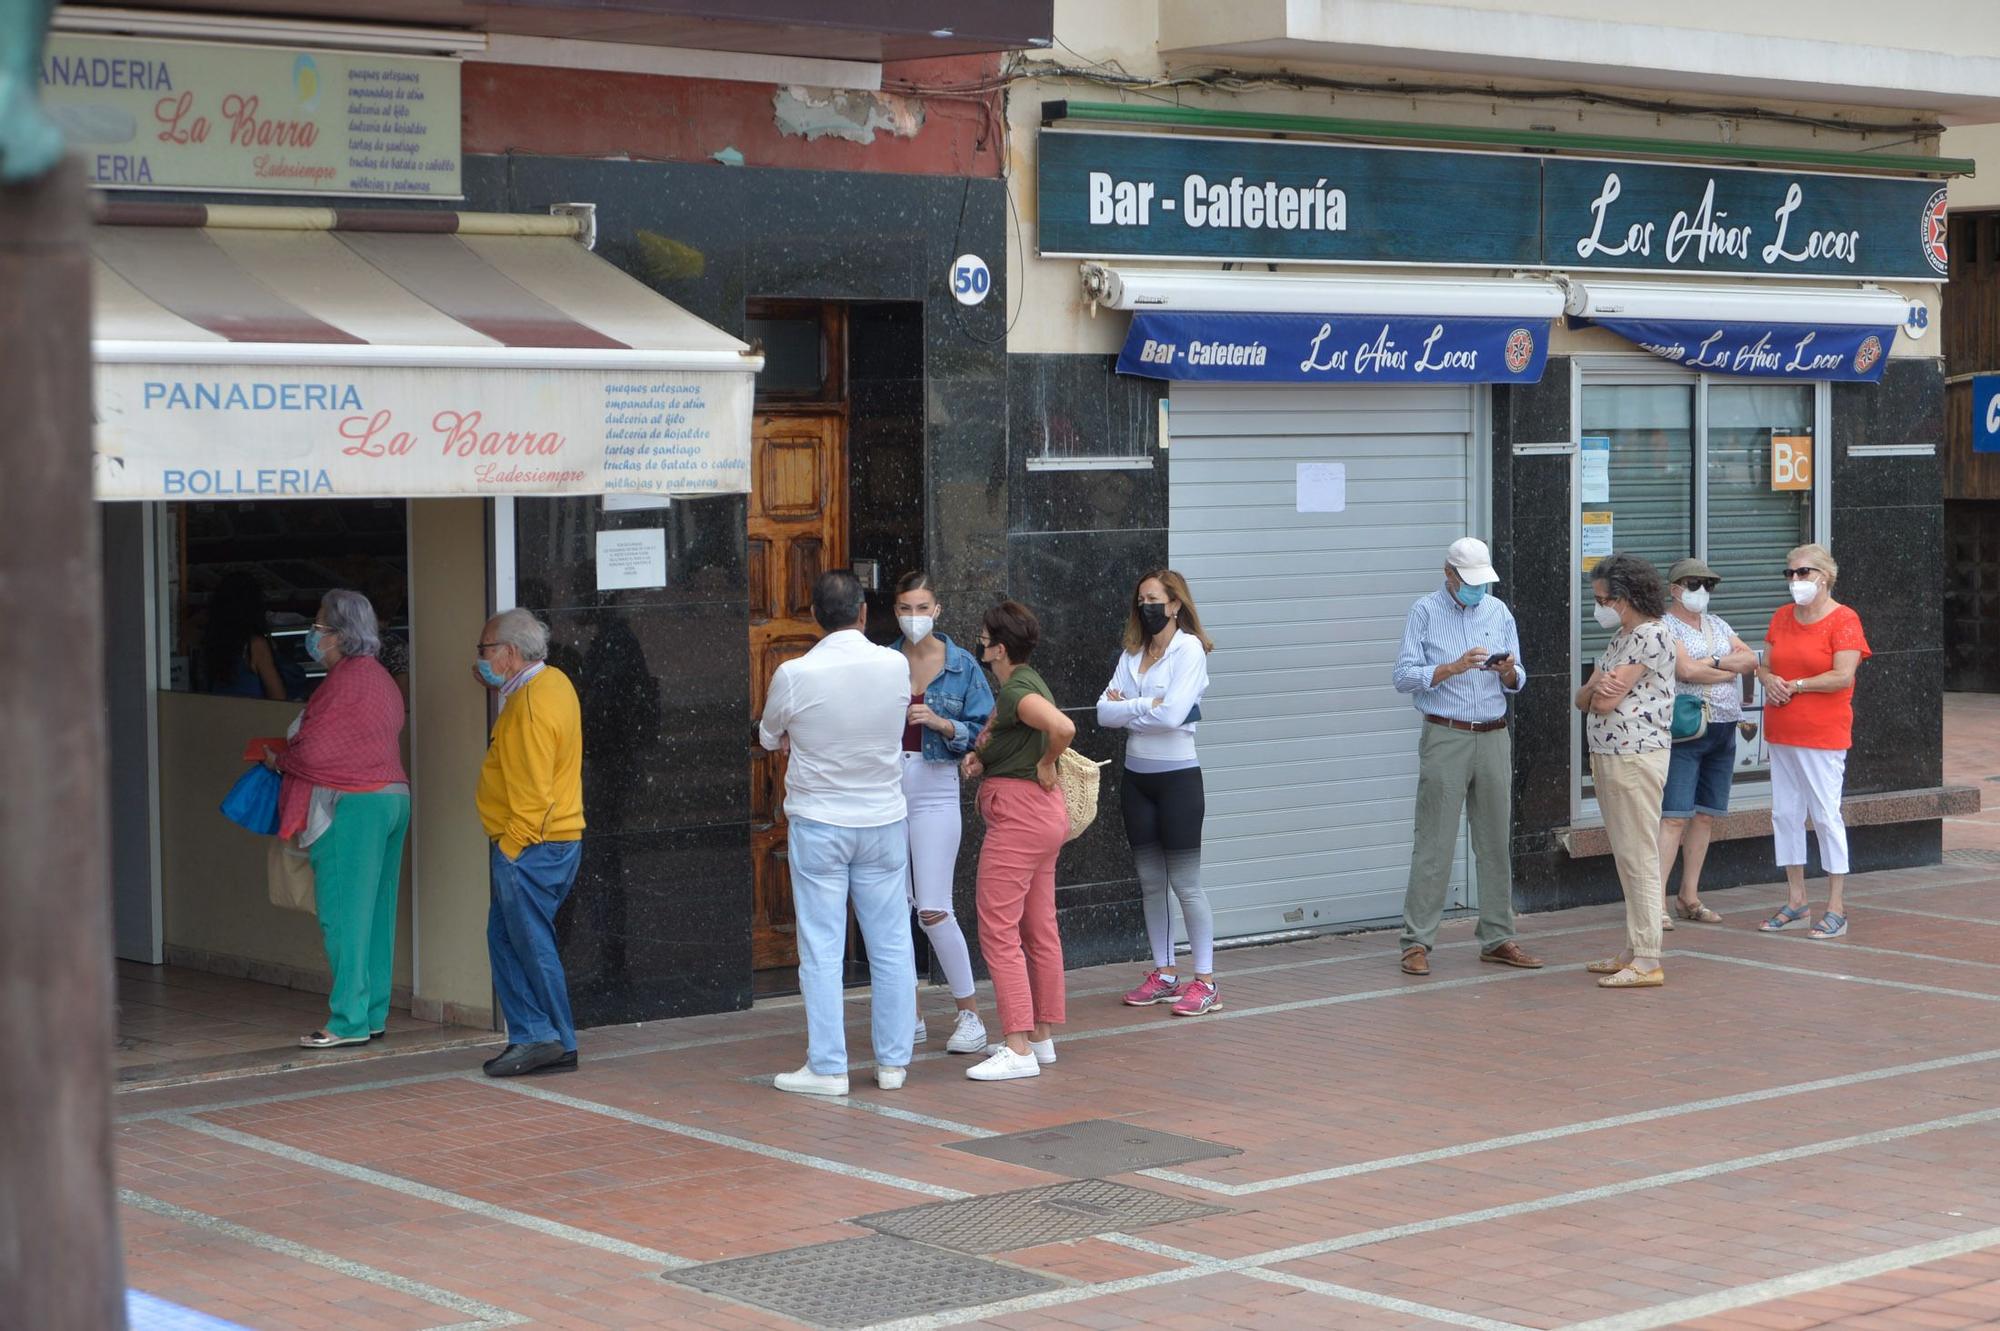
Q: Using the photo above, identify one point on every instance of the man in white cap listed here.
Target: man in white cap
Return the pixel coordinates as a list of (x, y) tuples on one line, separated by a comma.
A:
[(1461, 657)]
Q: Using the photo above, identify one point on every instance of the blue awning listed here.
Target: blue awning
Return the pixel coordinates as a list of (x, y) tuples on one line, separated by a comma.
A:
[(1273, 348), (1846, 352)]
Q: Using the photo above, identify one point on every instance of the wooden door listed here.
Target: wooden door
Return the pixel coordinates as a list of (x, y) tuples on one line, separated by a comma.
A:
[(798, 529)]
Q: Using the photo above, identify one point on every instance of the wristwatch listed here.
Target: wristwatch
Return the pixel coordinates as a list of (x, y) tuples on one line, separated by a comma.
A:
[(1715, 662)]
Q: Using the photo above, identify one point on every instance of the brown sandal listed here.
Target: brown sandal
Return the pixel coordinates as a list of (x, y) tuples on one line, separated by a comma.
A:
[(1699, 913)]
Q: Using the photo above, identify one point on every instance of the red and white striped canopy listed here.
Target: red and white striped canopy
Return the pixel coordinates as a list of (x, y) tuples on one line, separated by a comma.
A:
[(344, 351)]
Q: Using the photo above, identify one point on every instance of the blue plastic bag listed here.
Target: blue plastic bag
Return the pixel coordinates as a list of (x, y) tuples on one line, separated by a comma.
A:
[(252, 803)]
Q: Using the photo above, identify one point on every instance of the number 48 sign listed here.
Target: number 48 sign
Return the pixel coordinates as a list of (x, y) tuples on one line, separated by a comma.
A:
[(1791, 461)]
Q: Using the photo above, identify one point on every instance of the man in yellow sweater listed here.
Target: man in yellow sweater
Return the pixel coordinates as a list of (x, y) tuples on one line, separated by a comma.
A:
[(531, 803)]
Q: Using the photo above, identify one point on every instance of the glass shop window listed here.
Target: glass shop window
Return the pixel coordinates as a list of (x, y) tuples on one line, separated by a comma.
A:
[(242, 581), (1721, 469), (804, 346)]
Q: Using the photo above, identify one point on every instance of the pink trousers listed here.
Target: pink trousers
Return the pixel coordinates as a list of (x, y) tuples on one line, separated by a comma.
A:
[(1025, 827)]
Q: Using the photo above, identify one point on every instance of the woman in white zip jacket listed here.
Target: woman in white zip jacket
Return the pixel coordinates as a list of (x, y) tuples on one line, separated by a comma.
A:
[(1155, 696)]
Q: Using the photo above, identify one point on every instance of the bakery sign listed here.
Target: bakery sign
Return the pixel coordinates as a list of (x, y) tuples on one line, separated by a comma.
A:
[(255, 119), (291, 432), (1108, 195)]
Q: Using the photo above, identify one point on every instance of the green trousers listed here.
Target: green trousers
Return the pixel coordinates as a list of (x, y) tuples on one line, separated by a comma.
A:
[(357, 867), (1459, 771)]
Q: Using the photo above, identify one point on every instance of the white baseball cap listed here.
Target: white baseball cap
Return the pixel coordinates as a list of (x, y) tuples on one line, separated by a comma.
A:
[(1474, 562)]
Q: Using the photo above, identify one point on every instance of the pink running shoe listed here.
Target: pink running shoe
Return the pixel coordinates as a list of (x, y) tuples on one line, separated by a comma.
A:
[(1158, 988), (1197, 997)]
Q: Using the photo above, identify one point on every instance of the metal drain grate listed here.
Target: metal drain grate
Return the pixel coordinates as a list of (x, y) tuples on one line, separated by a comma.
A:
[(1054, 1213), (857, 1282), (1972, 857), (1094, 1148)]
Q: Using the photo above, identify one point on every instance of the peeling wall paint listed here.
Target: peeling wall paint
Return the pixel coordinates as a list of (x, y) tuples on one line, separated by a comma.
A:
[(817, 113)]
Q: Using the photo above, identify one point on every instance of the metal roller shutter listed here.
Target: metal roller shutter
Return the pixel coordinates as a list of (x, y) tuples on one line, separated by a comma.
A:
[(1308, 754)]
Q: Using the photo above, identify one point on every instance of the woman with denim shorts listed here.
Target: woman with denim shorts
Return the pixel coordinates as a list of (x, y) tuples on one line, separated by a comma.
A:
[(1709, 661)]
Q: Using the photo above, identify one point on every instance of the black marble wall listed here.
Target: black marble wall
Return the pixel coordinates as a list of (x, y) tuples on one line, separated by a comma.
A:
[(1888, 534), (1077, 543), (659, 923)]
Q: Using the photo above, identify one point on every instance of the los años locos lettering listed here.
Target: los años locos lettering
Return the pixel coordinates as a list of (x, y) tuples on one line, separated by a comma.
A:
[(1708, 232)]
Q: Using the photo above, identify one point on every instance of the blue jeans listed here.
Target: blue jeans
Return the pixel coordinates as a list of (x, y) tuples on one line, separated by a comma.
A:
[(870, 867), (1700, 772), (521, 939)]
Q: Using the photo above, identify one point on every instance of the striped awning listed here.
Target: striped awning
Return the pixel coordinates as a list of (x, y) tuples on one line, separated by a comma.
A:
[(269, 352)]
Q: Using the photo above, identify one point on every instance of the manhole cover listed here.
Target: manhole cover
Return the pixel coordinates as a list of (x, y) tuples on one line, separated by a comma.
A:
[(1055, 1213), (1972, 857), (856, 1282), (1094, 1148)]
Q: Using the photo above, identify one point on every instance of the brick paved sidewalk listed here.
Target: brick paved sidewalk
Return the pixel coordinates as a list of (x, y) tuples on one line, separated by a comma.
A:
[(1790, 1134)]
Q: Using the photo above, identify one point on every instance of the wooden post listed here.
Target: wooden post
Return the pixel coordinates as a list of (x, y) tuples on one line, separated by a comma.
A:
[(61, 1268)]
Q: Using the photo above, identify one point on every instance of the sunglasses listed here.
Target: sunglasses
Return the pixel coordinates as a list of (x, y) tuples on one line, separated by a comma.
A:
[(1700, 584), (1794, 574)]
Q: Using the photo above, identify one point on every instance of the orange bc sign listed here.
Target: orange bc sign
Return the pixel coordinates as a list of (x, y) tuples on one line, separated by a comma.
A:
[(1791, 462)]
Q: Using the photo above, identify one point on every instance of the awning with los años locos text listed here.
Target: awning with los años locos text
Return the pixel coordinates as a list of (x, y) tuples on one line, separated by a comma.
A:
[(1256, 328), (1799, 333), (297, 352)]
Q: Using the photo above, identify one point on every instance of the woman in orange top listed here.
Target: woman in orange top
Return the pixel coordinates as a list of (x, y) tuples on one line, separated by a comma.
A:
[(1813, 648)]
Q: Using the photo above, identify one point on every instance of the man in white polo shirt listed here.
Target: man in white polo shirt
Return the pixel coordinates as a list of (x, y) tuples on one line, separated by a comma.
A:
[(840, 711)]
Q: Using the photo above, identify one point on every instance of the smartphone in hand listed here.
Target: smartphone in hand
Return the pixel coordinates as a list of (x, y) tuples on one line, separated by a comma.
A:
[(1497, 661)]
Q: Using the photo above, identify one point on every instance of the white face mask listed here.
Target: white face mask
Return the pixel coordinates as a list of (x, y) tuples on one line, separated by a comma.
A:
[(1695, 599), (916, 627), (1608, 617), (1804, 591)]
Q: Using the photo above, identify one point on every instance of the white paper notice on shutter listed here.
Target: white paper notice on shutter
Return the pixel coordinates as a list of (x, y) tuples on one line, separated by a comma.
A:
[(1594, 468), (628, 559), (1322, 487)]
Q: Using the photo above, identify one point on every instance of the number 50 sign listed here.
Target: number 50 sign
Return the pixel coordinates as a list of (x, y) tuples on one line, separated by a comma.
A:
[(1791, 462)]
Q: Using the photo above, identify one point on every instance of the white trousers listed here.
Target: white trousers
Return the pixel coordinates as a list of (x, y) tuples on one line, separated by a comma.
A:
[(936, 826), (1808, 782)]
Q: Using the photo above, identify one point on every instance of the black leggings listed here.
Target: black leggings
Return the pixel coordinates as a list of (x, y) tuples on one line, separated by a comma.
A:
[(1164, 809)]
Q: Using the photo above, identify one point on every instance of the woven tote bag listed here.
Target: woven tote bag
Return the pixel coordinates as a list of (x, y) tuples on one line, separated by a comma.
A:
[(1077, 779)]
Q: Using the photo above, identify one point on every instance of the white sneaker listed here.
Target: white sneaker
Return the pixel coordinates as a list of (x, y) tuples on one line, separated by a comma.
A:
[(1043, 1050), (807, 1082), (891, 1079), (1005, 1065), (970, 1037), (923, 1033)]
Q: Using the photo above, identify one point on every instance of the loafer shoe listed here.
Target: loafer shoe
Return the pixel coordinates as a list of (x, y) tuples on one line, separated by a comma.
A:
[(325, 1040), (1416, 961), (522, 1059), (494, 1062), (807, 1082), (1509, 953)]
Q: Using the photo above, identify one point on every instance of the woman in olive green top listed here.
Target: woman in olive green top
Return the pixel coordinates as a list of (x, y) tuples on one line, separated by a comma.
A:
[(1026, 825)]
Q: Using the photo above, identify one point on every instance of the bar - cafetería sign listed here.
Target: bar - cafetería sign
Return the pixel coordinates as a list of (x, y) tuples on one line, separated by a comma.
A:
[(191, 115), (1175, 196)]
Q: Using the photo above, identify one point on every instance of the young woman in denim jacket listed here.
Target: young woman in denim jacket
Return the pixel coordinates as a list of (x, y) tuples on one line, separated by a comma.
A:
[(950, 702)]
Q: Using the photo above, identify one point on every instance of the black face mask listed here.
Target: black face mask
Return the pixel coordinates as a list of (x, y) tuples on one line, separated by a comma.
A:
[(1152, 617)]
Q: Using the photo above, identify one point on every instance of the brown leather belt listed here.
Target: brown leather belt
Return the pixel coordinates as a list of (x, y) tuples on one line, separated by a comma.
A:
[(1476, 727)]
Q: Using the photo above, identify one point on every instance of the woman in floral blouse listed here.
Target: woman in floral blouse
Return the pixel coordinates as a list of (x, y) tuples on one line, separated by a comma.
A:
[(1629, 700)]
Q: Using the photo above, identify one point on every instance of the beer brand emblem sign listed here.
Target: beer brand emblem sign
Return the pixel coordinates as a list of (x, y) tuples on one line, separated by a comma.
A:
[(1520, 351), (1867, 354), (1934, 232)]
